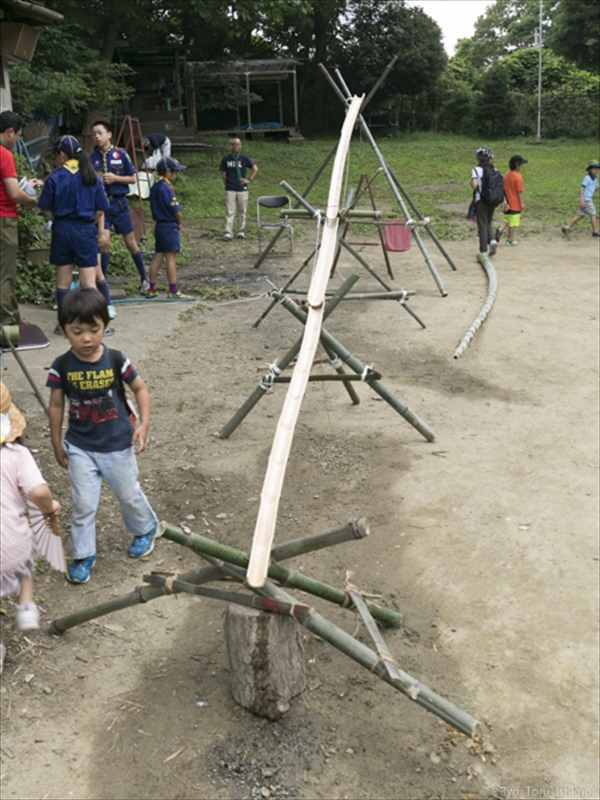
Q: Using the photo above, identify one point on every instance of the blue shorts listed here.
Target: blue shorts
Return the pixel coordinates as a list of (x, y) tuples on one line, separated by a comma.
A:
[(118, 216), (166, 237), (74, 242)]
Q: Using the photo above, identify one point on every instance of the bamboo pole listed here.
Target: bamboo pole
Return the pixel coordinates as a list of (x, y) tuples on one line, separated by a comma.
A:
[(383, 164), (358, 213), (341, 374), (355, 296), (8, 340), (359, 368), (141, 594), (409, 686), (282, 442), (260, 390), (288, 283), (427, 226), (487, 306), (385, 655), (365, 264), (174, 586), (357, 528), (212, 551)]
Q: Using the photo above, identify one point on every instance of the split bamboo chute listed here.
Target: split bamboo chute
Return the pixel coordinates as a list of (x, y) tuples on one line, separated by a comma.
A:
[(273, 483)]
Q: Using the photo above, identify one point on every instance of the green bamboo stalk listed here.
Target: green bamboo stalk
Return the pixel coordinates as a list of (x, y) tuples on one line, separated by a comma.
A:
[(341, 375), (248, 600), (385, 655), (351, 296), (359, 368), (428, 227), (7, 340), (357, 213), (487, 306), (360, 653), (207, 547), (288, 283), (357, 528), (365, 264), (323, 379), (261, 389)]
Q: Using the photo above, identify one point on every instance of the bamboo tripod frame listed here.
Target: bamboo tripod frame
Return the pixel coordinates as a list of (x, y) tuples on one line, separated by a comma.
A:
[(346, 214), (228, 564), (335, 352)]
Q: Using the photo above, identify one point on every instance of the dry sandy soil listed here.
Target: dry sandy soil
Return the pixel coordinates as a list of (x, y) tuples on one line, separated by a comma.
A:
[(485, 540)]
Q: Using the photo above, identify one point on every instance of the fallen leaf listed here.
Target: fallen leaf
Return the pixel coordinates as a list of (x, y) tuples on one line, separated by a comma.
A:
[(175, 754)]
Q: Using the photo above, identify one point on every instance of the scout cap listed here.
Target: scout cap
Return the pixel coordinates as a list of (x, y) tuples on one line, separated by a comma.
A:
[(67, 144), (168, 163)]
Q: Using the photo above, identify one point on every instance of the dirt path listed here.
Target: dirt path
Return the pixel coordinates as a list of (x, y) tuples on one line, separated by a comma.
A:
[(485, 539)]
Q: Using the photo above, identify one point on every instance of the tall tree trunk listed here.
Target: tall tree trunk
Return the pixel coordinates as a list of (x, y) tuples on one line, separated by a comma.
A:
[(111, 31), (321, 85)]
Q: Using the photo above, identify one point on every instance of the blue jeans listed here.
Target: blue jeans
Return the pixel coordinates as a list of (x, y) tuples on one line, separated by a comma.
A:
[(120, 470)]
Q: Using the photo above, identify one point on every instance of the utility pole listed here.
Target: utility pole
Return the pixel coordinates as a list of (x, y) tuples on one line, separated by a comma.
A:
[(538, 137)]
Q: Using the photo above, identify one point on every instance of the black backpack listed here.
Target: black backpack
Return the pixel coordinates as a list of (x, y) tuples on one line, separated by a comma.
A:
[(492, 187)]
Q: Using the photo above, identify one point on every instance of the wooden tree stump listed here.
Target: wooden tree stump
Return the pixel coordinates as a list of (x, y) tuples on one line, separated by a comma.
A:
[(266, 660)]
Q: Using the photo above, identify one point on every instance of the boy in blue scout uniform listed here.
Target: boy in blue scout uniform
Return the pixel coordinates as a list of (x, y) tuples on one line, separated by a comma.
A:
[(117, 172), (166, 213), (233, 169), (74, 200)]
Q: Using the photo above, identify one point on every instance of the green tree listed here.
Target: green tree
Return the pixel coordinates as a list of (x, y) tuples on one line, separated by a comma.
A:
[(507, 25), (575, 33)]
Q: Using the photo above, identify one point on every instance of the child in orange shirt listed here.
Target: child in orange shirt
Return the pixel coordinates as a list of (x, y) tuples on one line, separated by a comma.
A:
[(513, 200)]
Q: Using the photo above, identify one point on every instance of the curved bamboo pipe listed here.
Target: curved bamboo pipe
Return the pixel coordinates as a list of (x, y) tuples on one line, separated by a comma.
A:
[(282, 442)]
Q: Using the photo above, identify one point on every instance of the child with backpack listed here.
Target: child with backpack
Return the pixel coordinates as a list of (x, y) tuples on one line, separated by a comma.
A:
[(488, 189), (101, 441)]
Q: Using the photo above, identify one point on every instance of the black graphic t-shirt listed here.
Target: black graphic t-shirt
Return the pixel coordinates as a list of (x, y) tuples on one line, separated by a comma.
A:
[(98, 418)]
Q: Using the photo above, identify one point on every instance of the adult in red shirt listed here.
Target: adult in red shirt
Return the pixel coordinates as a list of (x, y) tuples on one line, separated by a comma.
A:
[(11, 127)]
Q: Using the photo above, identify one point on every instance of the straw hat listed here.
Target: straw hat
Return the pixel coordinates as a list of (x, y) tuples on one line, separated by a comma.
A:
[(12, 422)]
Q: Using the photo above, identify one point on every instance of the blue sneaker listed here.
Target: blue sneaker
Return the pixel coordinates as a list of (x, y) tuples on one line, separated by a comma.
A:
[(79, 571), (142, 545)]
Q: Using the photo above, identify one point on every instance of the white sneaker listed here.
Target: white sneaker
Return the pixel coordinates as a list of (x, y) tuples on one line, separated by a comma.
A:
[(240, 235), (112, 312), (227, 237), (493, 247), (144, 287), (28, 617)]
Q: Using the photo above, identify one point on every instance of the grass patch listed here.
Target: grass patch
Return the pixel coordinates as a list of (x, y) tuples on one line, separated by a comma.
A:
[(552, 177)]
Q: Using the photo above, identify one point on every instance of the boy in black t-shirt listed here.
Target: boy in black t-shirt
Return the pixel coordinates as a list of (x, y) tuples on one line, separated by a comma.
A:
[(100, 441)]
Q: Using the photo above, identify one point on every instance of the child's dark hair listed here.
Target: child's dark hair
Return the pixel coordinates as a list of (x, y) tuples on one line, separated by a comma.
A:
[(83, 305), (106, 125), (9, 119), (87, 171)]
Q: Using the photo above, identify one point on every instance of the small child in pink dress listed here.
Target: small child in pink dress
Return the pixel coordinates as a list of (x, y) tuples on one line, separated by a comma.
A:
[(19, 475)]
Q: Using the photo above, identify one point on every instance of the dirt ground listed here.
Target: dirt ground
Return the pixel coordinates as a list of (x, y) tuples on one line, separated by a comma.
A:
[(485, 540)]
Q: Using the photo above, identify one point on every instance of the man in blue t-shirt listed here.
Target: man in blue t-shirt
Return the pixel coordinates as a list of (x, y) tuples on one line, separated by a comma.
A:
[(233, 168)]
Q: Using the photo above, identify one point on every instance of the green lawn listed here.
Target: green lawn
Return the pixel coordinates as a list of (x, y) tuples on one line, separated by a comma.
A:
[(552, 176)]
